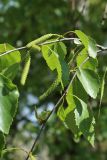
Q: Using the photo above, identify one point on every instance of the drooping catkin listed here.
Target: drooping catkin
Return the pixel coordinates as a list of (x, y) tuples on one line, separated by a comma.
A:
[(26, 69), (49, 90), (41, 39)]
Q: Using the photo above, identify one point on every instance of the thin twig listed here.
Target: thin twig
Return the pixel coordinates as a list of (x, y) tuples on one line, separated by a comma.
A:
[(44, 43), (55, 107), (102, 48), (16, 49), (57, 40), (44, 124)]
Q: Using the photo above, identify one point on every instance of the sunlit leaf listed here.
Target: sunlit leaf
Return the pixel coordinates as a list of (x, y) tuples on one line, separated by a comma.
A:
[(77, 116), (8, 59), (83, 37), (91, 63), (84, 120), (79, 90), (61, 49), (8, 103), (102, 85), (70, 100), (54, 56), (11, 71), (102, 89), (71, 123), (61, 113), (90, 81), (52, 60), (92, 49), (88, 43)]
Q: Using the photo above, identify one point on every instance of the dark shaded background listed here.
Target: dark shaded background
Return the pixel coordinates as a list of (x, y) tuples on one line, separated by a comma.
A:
[(24, 20)]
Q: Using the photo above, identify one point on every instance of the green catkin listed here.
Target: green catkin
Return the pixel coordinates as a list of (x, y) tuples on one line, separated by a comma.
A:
[(26, 69), (41, 39), (49, 90), (36, 48)]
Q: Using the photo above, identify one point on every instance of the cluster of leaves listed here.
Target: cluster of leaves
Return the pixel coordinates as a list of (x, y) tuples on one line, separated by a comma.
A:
[(73, 112)]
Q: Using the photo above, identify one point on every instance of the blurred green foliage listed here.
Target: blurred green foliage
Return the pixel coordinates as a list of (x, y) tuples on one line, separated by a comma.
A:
[(22, 21)]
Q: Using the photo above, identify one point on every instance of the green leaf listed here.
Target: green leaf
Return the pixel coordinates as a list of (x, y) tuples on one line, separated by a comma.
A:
[(67, 115), (61, 49), (89, 80), (71, 123), (84, 120), (54, 55), (70, 100), (102, 90), (9, 59), (8, 103), (2, 142), (77, 117), (102, 85), (92, 63), (81, 121), (65, 72), (75, 88), (88, 42), (52, 60), (61, 113), (79, 91), (83, 37), (92, 49), (11, 71)]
